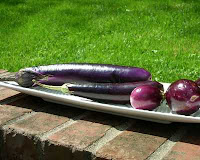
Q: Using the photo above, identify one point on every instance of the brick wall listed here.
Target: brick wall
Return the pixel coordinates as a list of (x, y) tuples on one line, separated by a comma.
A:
[(32, 129)]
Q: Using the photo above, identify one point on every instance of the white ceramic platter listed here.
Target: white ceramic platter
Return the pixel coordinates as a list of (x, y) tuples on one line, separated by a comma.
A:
[(161, 115)]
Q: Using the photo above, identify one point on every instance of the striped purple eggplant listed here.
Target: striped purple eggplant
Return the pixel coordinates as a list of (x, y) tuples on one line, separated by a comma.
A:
[(106, 92), (146, 97), (59, 74), (183, 97)]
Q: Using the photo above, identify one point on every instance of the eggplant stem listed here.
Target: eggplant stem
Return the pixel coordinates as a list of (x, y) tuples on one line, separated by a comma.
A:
[(64, 88), (163, 93), (45, 77)]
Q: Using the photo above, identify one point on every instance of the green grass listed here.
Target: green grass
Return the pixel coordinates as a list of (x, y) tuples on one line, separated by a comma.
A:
[(160, 36)]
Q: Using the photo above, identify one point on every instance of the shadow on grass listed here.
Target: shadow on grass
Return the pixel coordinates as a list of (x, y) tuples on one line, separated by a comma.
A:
[(12, 2), (85, 11), (73, 16), (34, 8), (191, 1), (17, 12)]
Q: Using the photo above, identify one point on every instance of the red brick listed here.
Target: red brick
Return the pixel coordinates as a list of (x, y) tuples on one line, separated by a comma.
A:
[(79, 135), (53, 150), (61, 110), (2, 88), (61, 152), (19, 107), (188, 147), (2, 71), (138, 142), (39, 123), (85, 131), (29, 102), (9, 112), (20, 137), (38, 104), (20, 143), (20, 147), (8, 94)]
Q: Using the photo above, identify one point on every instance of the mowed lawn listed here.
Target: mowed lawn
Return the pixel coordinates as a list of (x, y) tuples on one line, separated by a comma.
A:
[(162, 36)]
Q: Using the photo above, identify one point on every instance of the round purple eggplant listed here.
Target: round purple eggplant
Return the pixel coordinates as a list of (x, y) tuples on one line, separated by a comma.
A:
[(183, 97), (146, 97), (59, 74)]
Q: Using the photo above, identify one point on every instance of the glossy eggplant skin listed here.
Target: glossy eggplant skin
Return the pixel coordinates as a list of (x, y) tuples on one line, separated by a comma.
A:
[(183, 97), (109, 92), (146, 97), (81, 72)]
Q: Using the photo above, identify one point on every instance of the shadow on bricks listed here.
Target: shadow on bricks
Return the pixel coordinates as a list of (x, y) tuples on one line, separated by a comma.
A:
[(8, 96), (39, 105), (192, 135), (154, 129)]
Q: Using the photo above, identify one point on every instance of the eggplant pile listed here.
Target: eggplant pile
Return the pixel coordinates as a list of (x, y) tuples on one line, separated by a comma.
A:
[(114, 84), (100, 82)]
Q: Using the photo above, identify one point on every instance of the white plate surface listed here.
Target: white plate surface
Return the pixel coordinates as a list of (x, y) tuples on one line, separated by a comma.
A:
[(161, 115)]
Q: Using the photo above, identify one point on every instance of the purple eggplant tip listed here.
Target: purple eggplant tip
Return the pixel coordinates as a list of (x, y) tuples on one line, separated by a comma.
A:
[(24, 78)]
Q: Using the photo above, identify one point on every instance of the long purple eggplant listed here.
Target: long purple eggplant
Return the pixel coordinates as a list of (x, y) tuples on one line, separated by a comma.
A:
[(106, 92), (81, 72)]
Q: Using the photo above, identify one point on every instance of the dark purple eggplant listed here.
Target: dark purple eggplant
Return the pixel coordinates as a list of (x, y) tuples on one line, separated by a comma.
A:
[(183, 97), (106, 92), (146, 97), (81, 72)]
